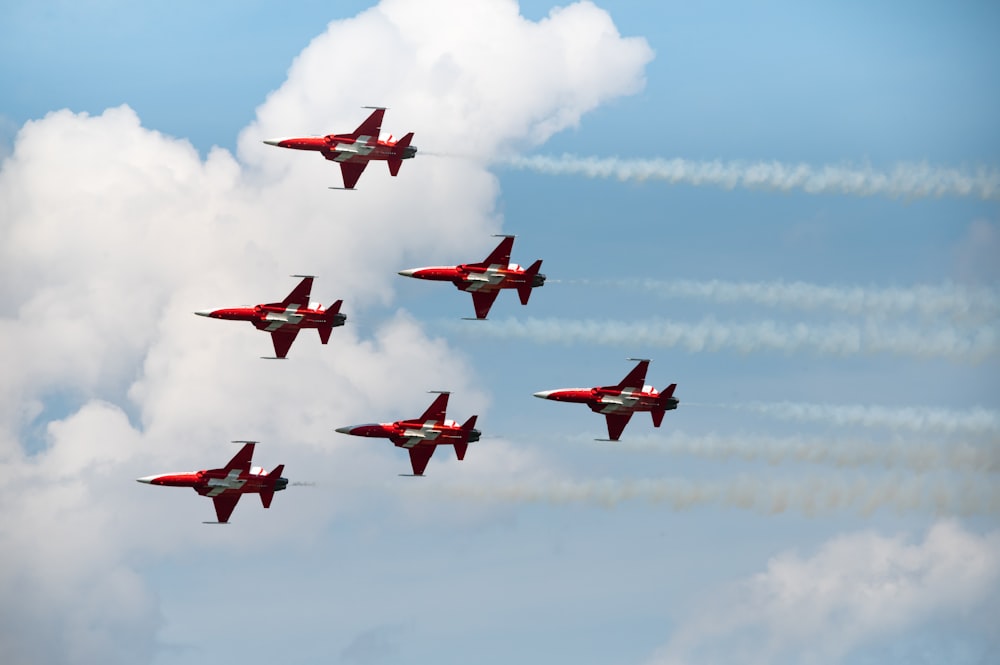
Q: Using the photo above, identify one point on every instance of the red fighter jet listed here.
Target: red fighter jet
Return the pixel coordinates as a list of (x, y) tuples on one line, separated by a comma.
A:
[(353, 151), (228, 484), (619, 402), (423, 435), (484, 280), (285, 319)]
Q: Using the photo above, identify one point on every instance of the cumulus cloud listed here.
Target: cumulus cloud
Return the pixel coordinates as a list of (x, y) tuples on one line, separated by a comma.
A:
[(113, 234), (855, 589)]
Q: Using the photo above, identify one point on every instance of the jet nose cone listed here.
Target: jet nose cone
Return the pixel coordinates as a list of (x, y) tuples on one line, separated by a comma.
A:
[(544, 394), (408, 273), (345, 430), (145, 479), (204, 312), (276, 142)]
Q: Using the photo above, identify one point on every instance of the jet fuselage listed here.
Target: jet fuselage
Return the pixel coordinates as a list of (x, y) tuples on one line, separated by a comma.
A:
[(341, 148), (216, 480), (612, 400), (478, 278), (409, 433), (271, 317)]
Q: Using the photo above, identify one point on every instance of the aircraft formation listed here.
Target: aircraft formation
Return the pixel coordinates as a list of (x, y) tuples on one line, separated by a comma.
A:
[(419, 436)]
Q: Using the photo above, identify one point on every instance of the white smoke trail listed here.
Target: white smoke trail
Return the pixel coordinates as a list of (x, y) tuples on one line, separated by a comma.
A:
[(842, 454), (809, 496), (947, 300), (841, 339), (912, 418), (906, 180)]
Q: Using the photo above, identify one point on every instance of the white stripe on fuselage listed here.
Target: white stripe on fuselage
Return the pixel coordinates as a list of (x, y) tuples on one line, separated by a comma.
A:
[(232, 481), (289, 316), (361, 146), (425, 432), (628, 400), (493, 275)]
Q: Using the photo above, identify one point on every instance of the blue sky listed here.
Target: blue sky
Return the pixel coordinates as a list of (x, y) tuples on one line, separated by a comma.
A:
[(839, 428)]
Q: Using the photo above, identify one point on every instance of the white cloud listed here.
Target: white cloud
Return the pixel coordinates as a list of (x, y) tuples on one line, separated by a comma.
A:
[(113, 234), (856, 589)]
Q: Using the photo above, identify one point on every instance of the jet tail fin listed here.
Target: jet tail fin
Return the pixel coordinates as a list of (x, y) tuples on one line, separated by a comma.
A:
[(403, 143), (330, 316), (666, 402), (524, 291), (399, 151), (272, 479), (467, 428)]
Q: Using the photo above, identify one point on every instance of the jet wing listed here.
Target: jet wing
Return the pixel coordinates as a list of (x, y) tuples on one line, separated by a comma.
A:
[(241, 461), (370, 127), (636, 378), (501, 255), (300, 294), (483, 301), (282, 340), (351, 172), (437, 409), (419, 456), (616, 424), (225, 504)]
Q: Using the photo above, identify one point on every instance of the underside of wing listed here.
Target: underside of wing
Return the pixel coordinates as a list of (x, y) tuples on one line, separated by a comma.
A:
[(371, 126), (635, 379), (483, 301), (501, 255), (351, 172), (300, 294), (419, 456), (436, 411), (241, 461), (616, 424), (282, 340), (225, 504)]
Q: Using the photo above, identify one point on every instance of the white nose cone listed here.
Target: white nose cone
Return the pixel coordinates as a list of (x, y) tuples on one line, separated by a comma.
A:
[(544, 394), (145, 479), (276, 142), (345, 430), (204, 312), (408, 273)]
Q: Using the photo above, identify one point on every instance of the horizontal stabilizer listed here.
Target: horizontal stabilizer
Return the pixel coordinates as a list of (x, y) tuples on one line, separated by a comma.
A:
[(657, 416), (265, 498), (403, 143), (394, 164), (460, 449), (324, 333)]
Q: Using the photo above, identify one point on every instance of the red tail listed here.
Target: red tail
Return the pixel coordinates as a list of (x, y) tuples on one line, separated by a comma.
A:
[(399, 150), (331, 316), (461, 447), (267, 494), (666, 402), (402, 143), (524, 291)]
